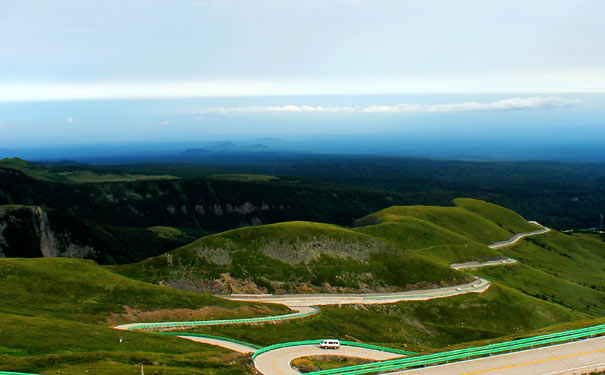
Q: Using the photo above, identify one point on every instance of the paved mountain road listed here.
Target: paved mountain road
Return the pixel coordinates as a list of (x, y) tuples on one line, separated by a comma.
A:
[(299, 300), (278, 361), (572, 358), (517, 237), (473, 265)]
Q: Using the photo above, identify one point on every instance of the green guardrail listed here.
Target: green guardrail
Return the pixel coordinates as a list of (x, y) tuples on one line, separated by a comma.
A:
[(460, 354), (317, 342), (15, 373), (209, 337), (224, 321)]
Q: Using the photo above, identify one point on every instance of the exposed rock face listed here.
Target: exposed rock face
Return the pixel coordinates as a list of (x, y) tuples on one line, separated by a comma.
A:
[(217, 210), (25, 231), (200, 209)]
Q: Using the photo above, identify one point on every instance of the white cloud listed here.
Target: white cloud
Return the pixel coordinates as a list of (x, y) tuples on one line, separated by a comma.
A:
[(166, 122), (69, 120), (511, 104)]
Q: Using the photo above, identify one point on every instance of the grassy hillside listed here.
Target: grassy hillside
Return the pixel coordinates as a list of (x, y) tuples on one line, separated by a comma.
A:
[(416, 236), (580, 260), (57, 346), (542, 285), (56, 316), (80, 290), (476, 220), (406, 247), (293, 256)]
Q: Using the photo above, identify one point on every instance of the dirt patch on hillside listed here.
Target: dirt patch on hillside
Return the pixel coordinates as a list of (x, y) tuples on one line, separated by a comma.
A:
[(174, 315)]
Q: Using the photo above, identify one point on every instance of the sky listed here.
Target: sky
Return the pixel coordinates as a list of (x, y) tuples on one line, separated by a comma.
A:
[(84, 71)]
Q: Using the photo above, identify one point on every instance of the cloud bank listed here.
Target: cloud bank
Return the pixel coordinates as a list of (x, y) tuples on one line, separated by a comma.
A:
[(512, 104)]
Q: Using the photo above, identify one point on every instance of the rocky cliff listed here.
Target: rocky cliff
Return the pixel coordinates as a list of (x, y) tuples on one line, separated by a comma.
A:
[(26, 231)]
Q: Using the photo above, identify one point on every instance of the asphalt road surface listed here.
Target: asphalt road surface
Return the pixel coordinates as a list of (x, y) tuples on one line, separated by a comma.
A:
[(473, 265), (298, 300), (578, 357), (517, 237), (277, 362)]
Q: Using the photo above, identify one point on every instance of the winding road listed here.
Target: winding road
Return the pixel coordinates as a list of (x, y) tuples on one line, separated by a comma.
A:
[(517, 237), (305, 300), (563, 359), (278, 361)]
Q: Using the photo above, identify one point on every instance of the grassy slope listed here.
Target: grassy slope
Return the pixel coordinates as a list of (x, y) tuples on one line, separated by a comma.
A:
[(82, 291), (55, 316), (57, 346), (421, 237), (294, 252), (559, 268), (470, 218), (503, 217), (581, 260), (167, 232), (540, 284)]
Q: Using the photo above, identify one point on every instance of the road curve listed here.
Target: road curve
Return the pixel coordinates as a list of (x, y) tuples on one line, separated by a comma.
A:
[(517, 237), (473, 265), (299, 300), (580, 357), (277, 362), (300, 312)]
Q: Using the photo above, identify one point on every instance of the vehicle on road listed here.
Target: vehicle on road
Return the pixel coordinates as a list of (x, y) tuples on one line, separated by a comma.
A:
[(330, 344)]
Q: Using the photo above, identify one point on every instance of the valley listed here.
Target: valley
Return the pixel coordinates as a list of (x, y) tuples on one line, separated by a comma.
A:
[(387, 280)]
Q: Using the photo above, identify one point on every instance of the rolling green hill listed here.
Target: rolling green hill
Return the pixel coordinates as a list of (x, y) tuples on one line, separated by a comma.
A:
[(56, 316), (555, 267), (289, 257), (81, 290), (397, 248), (474, 219), (51, 346)]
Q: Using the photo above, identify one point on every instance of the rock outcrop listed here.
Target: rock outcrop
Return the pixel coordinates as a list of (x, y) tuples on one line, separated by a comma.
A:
[(25, 231)]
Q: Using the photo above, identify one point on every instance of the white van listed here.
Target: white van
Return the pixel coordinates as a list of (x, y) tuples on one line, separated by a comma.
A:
[(330, 344)]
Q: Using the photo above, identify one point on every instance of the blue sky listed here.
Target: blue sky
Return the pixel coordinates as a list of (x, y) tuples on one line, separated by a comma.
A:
[(83, 70)]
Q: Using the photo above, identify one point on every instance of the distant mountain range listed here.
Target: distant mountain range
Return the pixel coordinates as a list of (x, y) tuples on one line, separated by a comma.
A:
[(396, 145)]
